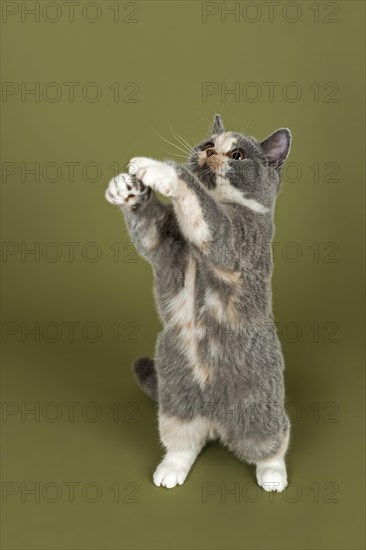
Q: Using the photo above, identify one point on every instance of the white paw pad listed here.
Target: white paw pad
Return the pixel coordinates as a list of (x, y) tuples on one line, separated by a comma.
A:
[(169, 476), (272, 478), (124, 189)]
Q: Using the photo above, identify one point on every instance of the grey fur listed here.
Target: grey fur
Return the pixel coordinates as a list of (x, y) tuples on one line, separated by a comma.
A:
[(218, 126), (145, 373), (241, 355)]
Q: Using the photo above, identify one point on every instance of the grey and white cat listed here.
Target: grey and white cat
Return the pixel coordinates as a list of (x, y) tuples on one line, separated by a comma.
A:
[(218, 367)]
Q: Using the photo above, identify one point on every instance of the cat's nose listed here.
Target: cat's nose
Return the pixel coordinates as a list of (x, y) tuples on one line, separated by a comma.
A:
[(210, 152)]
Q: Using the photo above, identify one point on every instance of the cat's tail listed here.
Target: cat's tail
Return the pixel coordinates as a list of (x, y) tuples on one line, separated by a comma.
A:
[(145, 373)]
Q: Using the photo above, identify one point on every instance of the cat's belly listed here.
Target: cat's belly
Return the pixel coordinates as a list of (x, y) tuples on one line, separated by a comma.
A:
[(204, 322), (184, 326), (194, 318)]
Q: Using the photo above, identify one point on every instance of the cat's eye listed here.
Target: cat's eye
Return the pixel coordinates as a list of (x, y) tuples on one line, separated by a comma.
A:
[(237, 154), (207, 146)]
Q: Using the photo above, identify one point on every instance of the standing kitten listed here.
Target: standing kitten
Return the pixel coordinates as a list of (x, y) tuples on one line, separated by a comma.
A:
[(218, 368)]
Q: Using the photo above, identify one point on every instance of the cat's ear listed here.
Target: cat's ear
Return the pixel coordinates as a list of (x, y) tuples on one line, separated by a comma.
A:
[(218, 127), (277, 146)]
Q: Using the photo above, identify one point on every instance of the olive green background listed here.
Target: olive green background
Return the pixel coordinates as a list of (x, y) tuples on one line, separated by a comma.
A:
[(169, 53)]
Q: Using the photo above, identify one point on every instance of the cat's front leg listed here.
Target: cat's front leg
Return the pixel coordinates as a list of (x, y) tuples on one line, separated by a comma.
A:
[(201, 219), (151, 224)]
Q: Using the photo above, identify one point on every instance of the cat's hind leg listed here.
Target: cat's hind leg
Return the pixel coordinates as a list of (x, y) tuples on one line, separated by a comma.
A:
[(271, 473), (183, 441), (267, 453)]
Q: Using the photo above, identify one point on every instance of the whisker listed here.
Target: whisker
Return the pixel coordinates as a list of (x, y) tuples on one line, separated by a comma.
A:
[(180, 138), (171, 143), (209, 123), (181, 141), (185, 146), (174, 154), (249, 127)]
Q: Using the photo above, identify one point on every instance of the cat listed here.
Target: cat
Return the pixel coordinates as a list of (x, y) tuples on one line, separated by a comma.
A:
[(218, 367)]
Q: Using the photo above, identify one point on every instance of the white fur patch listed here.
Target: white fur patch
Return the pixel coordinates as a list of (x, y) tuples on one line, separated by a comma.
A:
[(228, 277), (181, 306), (215, 305), (178, 435), (137, 163), (224, 142), (189, 215), (181, 316), (224, 192), (224, 311), (183, 441), (155, 174), (160, 177)]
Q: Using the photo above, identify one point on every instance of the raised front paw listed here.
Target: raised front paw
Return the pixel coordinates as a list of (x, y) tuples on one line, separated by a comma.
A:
[(155, 174), (125, 189)]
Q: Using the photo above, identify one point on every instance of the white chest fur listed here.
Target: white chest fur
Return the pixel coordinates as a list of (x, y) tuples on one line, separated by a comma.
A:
[(182, 316)]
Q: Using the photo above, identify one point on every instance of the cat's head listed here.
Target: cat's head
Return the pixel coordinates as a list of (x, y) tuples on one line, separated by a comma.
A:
[(237, 169)]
